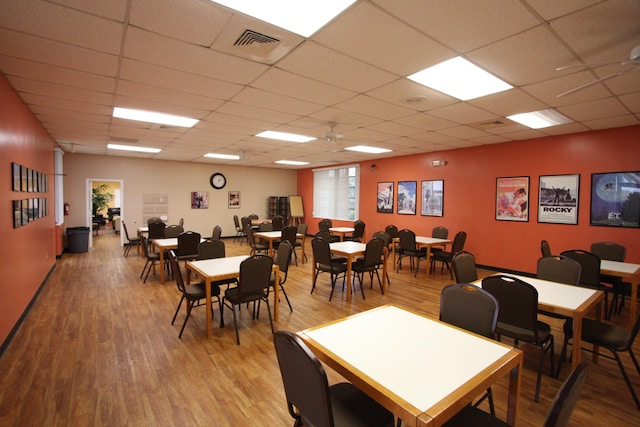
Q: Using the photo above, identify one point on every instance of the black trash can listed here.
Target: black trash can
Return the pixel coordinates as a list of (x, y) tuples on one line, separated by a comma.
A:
[(77, 239)]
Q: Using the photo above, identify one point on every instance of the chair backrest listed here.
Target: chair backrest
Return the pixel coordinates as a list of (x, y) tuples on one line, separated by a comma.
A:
[(255, 273), (188, 243), (321, 251), (590, 266), (358, 230), (126, 233), (324, 235), (373, 252), (253, 216), (277, 222), (325, 224), (384, 236), (216, 234), (211, 249), (469, 307), (609, 250), (392, 230), (302, 228), (246, 221), (236, 223), (156, 230), (265, 226), (566, 398), (249, 232), (458, 242), (289, 234), (177, 274), (305, 381), (283, 258), (559, 269), (464, 267), (173, 231), (407, 240), (545, 248), (518, 301), (145, 246), (154, 219), (440, 232), (181, 222)]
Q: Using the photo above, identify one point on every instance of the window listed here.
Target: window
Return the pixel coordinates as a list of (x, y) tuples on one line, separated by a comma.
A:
[(336, 192)]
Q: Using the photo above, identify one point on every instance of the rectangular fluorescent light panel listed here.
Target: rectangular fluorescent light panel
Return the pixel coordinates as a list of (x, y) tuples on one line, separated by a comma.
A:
[(133, 148), (283, 136), (291, 162), (540, 119), (222, 156), (300, 17), (152, 117), (367, 149), (461, 79)]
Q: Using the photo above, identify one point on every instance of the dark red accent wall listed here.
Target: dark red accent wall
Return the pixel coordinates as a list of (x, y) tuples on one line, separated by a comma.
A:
[(470, 193)]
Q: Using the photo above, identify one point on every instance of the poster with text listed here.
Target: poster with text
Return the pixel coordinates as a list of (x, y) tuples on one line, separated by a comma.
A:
[(558, 199)]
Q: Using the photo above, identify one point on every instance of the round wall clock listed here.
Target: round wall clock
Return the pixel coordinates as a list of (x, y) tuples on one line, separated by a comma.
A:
[(218, 180)]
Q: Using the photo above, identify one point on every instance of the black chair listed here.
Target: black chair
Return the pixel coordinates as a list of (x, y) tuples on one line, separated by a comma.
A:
[(216, 233), (331, 239), (135, 241), (386, 238), (370, 263), (545, 248), (246, 223), (358, 232), (325, 225), (464, 267), (611, 251), (393, 232), (558, 415), (156, 230), (439, 232), (474, 309), (193, 294), (239, 229), (518, 317), (277, 222), (253, 282), (325, 264), (614, 338), (212, 249), (283, 259), (558, 268), (172, 231), (590, 273), (409, 248), (302, 231), (310, 399), (153, 220), (150, 259), (256, 247), (188, 242), (290, 235), (445, 256)]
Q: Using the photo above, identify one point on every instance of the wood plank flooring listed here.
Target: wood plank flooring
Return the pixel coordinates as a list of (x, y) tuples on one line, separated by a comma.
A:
[(98, 349)]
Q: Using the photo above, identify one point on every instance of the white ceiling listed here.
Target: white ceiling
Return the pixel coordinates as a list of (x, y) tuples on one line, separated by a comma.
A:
[(72, 61)]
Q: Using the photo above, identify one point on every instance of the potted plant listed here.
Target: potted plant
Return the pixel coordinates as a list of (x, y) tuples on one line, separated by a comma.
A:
[(100, 198)]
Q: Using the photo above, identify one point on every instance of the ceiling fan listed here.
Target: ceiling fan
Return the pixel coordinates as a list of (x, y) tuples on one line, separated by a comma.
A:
[(634, 59), (331, 136)]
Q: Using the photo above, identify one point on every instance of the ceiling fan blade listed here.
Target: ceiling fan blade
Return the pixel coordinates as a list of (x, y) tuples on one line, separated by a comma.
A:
[(594, 65), (591, 83)]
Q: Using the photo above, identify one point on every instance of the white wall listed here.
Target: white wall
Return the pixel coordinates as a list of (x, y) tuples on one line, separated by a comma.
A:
[(177, 180)]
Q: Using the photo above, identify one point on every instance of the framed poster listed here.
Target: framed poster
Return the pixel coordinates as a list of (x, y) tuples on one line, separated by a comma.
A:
[(432, 198), (17, 179), (199, 200), (24, 181), (17, 213), (385, 197), (234, 199), (407, 197), (512, 198), (558, 199), (615, 199)]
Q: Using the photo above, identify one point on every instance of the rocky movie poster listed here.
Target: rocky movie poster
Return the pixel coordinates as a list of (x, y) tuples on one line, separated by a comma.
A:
[(559, 199)]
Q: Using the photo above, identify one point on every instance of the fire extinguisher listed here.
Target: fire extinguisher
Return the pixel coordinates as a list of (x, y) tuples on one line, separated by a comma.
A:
[(66, 209)]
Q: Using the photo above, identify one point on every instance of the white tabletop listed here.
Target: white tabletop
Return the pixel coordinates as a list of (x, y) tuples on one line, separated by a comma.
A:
[(268, 234), (422, 240), (429, 360), (620, 267), (342, 229), (219, 266), (348, 247)]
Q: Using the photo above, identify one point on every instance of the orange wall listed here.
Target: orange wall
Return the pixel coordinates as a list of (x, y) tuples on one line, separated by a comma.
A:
[(470, 192), (28, 252)]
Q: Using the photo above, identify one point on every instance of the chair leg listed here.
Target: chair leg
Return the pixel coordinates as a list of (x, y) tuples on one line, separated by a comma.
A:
[(235, 323), (266, 300), (189, 307), (177, 310), (626, 377)]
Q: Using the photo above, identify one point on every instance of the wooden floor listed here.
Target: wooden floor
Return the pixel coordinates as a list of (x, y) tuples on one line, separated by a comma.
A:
[(98, 349)]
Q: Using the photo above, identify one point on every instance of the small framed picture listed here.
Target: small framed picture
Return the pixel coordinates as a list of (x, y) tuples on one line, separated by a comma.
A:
[(17, 179), (234, 199), (407, 197), (385, 197), (17, 213), (199, 200), (558, 199), (615, 199), (432, 197), (512, 199)]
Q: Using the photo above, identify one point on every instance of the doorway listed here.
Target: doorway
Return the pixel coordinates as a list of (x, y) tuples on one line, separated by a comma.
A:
[(110, 213)]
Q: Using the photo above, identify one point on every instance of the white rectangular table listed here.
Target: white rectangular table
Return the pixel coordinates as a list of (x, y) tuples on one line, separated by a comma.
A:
[(272, 236), (421, 369), (350, 250), (626, 270), (421, 241), (225, 268), (163, 245), (341, 231), (565, 300)]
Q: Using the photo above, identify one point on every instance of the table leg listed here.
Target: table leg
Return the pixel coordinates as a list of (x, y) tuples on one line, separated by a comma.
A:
[(161, 266), (515, 378), (349, 261), (576, 354), (207, 289), (633, 309), (276, 293), (385, 278)]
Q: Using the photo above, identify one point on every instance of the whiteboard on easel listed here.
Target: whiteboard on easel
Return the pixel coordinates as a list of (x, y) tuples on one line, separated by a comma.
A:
[(295, 207)]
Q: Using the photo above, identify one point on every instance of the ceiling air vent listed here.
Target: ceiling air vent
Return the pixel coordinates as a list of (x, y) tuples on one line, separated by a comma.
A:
[(250, 37)]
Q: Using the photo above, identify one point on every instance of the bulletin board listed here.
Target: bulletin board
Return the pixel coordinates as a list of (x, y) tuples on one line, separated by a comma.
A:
[(295, 206)]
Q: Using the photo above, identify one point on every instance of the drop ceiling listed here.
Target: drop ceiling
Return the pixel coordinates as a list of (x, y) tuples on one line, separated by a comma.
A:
[(72, 61)]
